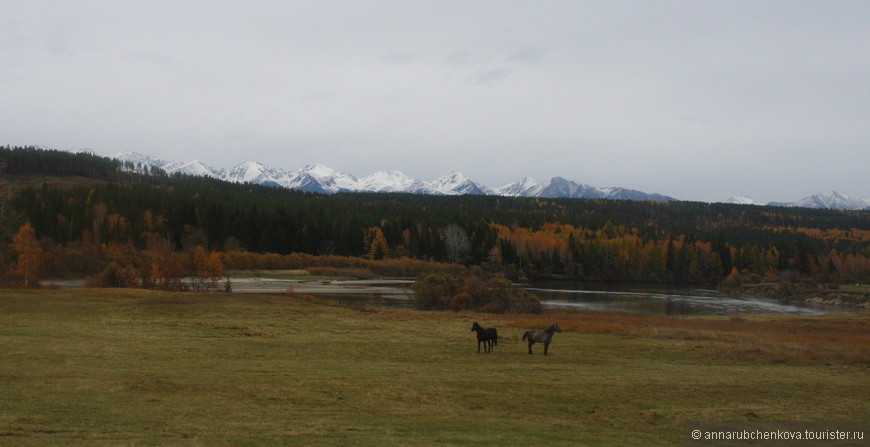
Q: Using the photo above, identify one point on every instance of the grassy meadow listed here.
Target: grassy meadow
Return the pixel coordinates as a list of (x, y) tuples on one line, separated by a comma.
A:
[(135, 368)]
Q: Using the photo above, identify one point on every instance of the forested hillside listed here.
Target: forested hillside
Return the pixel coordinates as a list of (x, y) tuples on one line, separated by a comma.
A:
[(150, 225)]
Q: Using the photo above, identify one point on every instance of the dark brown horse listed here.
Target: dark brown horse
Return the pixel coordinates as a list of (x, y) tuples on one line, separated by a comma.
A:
[(487, 335), (544, 337)]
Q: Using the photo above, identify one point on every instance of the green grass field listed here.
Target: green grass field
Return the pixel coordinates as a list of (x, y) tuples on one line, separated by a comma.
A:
[(135, 368)]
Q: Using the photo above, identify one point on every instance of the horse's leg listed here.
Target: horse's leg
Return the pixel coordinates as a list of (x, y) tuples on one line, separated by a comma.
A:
[(546, 347), (531, 342), (478, 346)]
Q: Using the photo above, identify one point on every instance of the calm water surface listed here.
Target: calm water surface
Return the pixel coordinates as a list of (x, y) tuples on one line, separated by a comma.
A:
[(649, 299), (667, 300), (654, 299)]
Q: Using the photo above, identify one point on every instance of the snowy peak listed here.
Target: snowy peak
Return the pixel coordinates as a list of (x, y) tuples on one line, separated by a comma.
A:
[(191, 168), (741, 200), (138, 161), (527, 187), (330, 180), (387, 181), (832, 200), (456, 183), (559, 187), (320, 171), (323, 179), (829, 200), (253, 172), (619, 193), (137, 158), (562, 187)]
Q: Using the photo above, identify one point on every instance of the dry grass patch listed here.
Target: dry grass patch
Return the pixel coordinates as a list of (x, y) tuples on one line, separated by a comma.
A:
[(788, 339), (125, 367)]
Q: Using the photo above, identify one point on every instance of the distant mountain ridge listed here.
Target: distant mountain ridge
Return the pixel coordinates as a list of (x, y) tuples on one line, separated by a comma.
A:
[(829, 200), (742, 200), (323, 179)]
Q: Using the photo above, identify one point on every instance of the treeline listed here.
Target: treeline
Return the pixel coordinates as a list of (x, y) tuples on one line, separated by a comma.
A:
[(85, 228), (29, 160), (618, 252)]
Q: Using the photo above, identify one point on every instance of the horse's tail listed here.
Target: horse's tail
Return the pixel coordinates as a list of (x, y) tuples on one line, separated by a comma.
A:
[(525, 335)]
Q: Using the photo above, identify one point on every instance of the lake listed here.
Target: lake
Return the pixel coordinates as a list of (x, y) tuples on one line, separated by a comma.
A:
[(641, 298), (673, 300), (656, 299)]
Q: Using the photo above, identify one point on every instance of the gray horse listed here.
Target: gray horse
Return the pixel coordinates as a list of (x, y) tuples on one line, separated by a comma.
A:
[(541, 337)]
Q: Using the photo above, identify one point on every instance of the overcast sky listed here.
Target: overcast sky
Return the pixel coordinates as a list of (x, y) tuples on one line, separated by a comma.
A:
[(700, 100)]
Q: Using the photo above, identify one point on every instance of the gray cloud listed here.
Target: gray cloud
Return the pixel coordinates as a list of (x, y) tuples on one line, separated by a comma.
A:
[(698, 100), (458, 58), (531, 55), (492, 74), (398, 58)]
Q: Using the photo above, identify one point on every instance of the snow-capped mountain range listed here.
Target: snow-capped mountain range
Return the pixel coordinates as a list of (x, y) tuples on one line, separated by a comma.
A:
[(827, 200), (323, 179), (830, 200), (742, 200)]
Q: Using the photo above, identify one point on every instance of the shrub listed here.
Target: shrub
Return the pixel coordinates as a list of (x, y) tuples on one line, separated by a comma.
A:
[(434, 291), (461, 301), (478, 291), (526, 303), (733, 281), (116, 276)]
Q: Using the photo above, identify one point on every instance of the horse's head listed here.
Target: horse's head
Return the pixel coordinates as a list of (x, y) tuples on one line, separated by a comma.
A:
[(475, 327), (556, 327)]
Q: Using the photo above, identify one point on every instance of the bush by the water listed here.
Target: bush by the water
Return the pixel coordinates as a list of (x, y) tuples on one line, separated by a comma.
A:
[(115, 275), (476, 291)]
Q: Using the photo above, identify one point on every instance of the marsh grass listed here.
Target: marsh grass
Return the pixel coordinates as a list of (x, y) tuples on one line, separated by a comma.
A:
[(125, 367)]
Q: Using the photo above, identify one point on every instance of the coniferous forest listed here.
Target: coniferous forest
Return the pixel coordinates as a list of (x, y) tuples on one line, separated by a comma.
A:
[(68, 215)]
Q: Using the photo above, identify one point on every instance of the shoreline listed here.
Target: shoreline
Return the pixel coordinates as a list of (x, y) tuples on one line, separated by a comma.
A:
[(817, 296)]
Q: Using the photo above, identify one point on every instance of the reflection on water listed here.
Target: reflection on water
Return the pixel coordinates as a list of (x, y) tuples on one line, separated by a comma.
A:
[(392, 301), (667, 300), (648, 299), (642, 298)]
